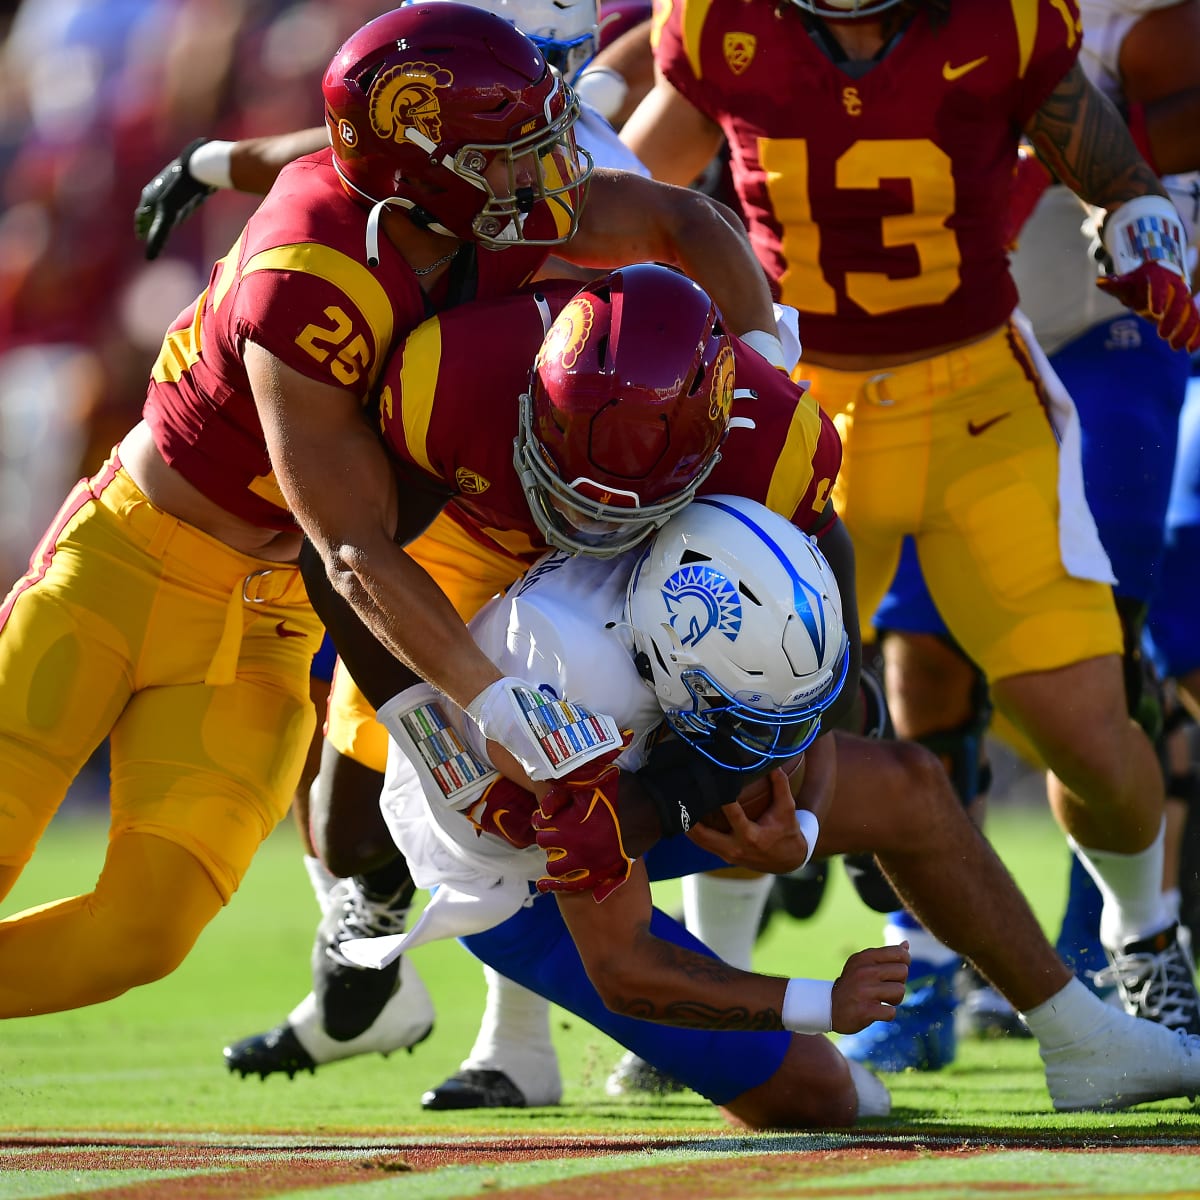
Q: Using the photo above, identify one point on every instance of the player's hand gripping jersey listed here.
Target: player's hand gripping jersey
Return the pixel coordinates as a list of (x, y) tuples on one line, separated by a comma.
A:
[(876, 199), (449, 408), (336, 325)]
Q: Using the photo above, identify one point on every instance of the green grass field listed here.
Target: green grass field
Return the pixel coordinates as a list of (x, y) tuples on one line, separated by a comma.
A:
[(149, 1064)]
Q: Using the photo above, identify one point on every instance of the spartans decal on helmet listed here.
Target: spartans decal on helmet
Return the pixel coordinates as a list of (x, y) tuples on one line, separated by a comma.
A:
[(736, 623)]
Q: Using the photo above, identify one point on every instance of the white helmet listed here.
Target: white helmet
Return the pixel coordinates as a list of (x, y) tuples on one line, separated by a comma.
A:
[(737, 625), (567, 32), (845, 10)]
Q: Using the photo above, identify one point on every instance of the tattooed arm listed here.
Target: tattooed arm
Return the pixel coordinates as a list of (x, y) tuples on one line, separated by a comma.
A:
[(1082, 138), (639, 974)]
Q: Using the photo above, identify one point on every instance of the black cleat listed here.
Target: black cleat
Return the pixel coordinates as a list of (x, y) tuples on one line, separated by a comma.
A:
[(265, 1053), (471, 1088)]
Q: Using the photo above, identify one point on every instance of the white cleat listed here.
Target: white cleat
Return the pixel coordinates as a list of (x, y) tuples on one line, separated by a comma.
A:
[(403, 1022), (1126, 1061)]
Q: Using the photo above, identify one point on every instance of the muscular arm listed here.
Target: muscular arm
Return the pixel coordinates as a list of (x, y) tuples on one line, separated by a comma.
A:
[(673, 139), (338, 482), (1085, 142), (640, 975), (838, 549), (255, 162), (630, 219)]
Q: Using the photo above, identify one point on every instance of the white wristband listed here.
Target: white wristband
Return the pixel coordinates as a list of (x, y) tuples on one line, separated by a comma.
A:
[(211, 164), (1146, 229), (810, 829), (768, 345), (603, 89), (808, 1006)]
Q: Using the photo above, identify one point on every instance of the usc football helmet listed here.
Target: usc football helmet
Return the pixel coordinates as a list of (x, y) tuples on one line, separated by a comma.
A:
[(452, 113), (845, 10), (567, 32), (628, 404), (736, 621)]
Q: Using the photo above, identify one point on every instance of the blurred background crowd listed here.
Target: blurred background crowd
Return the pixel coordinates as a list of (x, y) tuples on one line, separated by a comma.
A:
[(95, 96)]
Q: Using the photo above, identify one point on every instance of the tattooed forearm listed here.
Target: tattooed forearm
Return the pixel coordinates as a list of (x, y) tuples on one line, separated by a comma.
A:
[(697, 1016), (690, 989), (1081, 137)]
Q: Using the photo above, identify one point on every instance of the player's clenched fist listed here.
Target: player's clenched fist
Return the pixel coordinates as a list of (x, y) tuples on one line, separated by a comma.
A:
[(870, 987)]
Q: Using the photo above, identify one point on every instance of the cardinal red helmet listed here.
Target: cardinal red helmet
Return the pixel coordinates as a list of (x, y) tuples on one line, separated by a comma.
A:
[(628, 405), (453, 113)]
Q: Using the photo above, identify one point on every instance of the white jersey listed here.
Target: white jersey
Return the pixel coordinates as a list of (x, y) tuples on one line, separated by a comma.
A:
[(559, 629), (1053, 266), (602, 142)]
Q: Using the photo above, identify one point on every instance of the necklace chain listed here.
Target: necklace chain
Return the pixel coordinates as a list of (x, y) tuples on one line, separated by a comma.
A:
[(433, 266)]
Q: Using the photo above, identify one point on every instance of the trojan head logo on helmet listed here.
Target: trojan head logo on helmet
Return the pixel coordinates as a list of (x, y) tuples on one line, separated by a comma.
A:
[(845, 10), (629, 402), (736, 622), (452, 113)]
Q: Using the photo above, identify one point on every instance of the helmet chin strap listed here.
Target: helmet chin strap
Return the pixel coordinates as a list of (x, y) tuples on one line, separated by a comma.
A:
[(419, 216)]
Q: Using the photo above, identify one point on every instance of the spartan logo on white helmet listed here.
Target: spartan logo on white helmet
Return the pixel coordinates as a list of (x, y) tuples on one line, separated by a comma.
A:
[(736, 622), (567, 32)]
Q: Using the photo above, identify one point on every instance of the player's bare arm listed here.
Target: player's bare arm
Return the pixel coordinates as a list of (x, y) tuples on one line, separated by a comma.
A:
[(254, 163), (1081, 137), (338, 482), (673, 139), (629, 219), (642, 976)]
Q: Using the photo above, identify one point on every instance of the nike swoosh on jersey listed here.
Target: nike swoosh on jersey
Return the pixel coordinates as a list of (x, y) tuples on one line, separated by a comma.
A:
[(284, 631), (975, 428), (952, 73)]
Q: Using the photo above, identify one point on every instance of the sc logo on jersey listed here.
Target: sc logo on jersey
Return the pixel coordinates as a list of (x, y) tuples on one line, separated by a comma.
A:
[(406, 98), (702, 601), (739, 51)]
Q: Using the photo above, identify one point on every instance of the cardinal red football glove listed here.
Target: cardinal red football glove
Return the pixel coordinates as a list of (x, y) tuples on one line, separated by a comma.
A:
[(505, 809), (1160, 295), (576, 824)]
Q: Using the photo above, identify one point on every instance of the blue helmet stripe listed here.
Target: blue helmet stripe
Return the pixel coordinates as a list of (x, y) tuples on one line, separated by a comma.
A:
[(804, 595)]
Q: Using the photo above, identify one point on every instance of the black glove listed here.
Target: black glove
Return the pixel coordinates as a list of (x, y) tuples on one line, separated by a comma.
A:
[(170, 197)]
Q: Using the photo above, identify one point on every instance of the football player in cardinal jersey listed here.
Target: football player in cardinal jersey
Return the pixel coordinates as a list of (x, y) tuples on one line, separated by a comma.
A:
[(631, 388), (164, 608), (1145, 56), (877, 201)]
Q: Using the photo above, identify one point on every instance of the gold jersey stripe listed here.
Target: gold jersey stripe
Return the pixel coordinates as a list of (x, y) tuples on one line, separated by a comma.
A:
[(793, 467), (354, 280), (418, 385)]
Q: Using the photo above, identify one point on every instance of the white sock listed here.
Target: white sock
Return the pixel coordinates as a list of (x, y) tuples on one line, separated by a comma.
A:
[(1131, 885), (1070, 1015), (322, 881), (514, 1037), (724, 913)]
